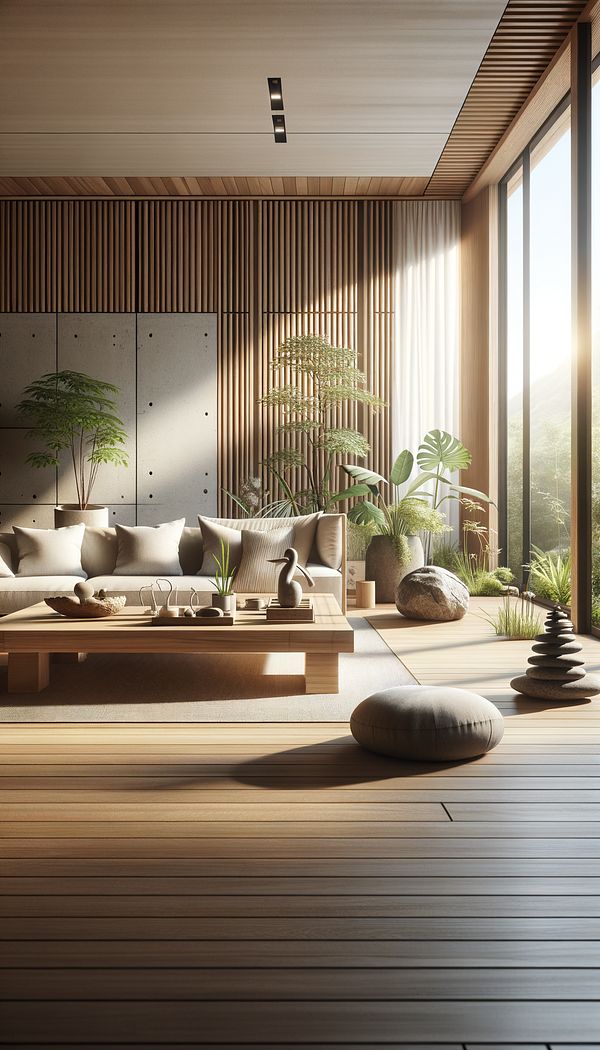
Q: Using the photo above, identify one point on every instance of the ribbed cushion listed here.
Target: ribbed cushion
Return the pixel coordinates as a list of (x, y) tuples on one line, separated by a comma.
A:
[(304, 535), (427, 723), (256, 573)]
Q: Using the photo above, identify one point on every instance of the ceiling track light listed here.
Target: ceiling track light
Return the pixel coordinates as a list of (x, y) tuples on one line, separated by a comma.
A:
[(279, 127), (275, 93)]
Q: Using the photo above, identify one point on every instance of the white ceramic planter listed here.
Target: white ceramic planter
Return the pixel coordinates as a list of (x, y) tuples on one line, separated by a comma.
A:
[(71, 514), (226, 602)]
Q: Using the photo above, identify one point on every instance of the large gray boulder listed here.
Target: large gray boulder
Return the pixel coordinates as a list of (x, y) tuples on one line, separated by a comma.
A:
[(432, 593)]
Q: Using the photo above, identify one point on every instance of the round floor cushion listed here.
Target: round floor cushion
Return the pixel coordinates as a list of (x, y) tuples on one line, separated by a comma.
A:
[(427, 723)]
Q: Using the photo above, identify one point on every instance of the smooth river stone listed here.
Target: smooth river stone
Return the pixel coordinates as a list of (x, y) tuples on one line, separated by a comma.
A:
[(565, 691)]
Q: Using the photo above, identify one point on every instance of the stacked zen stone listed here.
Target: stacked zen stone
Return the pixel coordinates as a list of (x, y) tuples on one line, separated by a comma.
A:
[(556, 671)]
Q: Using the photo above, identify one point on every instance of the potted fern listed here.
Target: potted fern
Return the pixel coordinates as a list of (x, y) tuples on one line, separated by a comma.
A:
[(224, 575), (71, 412)]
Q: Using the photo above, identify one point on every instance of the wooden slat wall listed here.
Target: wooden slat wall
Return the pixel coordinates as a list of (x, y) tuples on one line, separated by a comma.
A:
[(267, 269), (67, 255)]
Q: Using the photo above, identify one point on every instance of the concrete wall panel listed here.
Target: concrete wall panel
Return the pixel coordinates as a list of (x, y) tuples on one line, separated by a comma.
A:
[(177, 417), (103, 346), (27, 351), (20, 483), (34, 517)]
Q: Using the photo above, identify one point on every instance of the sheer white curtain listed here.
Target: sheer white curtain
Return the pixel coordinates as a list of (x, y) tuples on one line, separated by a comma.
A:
[(426, 321)]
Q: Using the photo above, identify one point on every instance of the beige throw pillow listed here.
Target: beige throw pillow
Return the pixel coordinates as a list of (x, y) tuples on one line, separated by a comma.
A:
[(5, 561), (149, 550), (212, 535), (256, 575), (303, 528), (50, 552), (329, 540)]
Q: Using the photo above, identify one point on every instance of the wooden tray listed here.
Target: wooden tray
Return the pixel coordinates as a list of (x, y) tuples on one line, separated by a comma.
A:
[(191, 621), (303, 614)]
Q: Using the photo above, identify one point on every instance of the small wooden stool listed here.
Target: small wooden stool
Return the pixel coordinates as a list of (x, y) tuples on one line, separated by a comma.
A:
[(365, 594)]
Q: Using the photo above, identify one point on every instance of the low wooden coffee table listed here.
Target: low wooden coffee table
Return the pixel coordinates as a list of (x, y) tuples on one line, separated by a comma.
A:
[(31, 635)]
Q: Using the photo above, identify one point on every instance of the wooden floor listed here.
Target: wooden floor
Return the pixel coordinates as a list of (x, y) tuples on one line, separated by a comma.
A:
[(275, 886)]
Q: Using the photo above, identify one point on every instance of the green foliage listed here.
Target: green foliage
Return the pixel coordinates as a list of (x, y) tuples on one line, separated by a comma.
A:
[(439, 452), (224, 572), (398, 518), (444, 554), (515, 619), (359, 537), (327, 380), (70, 410), (550, 575)]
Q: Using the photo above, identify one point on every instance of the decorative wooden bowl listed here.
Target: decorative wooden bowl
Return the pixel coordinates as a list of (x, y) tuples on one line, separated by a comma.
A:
[(94, 608)]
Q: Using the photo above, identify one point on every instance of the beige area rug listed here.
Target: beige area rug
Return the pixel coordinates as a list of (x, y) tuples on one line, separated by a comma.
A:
[(218, 688)]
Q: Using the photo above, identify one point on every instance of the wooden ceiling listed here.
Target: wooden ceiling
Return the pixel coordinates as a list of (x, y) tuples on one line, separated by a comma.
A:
[(527, 37), (227, 186)]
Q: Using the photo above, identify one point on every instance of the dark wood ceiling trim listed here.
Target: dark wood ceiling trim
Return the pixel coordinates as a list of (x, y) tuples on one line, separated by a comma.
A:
[(528, 36)]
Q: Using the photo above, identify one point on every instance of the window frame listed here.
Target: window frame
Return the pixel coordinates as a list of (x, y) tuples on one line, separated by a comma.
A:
[(522, 163)]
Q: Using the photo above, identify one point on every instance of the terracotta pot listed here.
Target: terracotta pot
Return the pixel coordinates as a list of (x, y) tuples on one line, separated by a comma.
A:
[(226, 602), (381, 565), (71, 514)]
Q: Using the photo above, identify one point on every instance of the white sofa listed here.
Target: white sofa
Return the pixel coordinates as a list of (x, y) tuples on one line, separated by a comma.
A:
[(99, 553)]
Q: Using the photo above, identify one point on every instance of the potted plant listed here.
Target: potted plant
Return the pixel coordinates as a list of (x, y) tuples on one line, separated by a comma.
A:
[(71, 411), (327, 383), (395, 548), (225, 597)]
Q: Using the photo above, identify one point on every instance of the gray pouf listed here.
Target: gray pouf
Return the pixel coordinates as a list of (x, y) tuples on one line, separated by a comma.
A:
[(427, 723), (432, 593)]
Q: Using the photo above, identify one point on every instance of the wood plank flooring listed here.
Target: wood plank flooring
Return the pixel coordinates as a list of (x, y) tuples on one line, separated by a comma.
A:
[(272, 885)]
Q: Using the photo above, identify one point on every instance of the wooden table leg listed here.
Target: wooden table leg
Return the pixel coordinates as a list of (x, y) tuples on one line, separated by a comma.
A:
[(28, 672), (321, 672), (69, 658)]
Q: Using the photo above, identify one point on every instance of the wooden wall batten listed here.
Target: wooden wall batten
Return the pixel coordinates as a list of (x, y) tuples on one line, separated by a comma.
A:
[(267, 269)]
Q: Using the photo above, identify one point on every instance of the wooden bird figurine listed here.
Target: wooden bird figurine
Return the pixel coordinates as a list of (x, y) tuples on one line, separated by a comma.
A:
[(289, 591)]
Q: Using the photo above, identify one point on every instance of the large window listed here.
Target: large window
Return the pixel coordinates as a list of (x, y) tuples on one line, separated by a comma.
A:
[(537, 359), (596, 347)]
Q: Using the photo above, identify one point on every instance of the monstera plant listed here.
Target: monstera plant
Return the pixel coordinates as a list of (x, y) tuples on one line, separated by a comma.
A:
[(399, 508)]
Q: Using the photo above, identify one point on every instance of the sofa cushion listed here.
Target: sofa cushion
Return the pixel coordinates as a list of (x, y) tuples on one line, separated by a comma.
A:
[(214, 533), (99, 551), (146, 549), (328, 540), (19, 592), (304, 528), (50, 552), (190, 550), (5, 560), (256, 573)]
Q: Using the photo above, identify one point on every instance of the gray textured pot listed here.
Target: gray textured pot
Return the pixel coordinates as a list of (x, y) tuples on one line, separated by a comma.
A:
[(71, 514), (382, 565), (226, 602)]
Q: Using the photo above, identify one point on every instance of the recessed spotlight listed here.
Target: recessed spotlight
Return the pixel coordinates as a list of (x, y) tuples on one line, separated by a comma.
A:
[(279, 127), (275, 92)]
